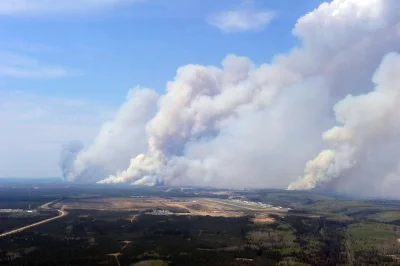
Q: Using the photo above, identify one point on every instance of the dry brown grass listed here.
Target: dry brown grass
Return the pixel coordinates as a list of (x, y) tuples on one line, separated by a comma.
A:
[(132, 204), (263, 220)]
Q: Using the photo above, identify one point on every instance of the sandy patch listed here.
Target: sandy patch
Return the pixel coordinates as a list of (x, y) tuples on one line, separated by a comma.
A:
[(263, 220)]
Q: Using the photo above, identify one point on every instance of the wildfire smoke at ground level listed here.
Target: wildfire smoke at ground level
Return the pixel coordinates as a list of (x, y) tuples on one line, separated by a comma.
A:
[(243, 125), (368, 137)]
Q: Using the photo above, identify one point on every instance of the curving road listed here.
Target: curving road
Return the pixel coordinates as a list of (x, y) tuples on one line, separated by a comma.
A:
[(61, 212)]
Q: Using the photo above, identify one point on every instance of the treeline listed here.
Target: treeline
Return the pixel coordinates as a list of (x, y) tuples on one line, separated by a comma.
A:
[(86, 237)]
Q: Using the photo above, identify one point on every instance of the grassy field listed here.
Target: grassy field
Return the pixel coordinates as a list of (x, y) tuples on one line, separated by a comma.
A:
[(386, 216), (367, 236)]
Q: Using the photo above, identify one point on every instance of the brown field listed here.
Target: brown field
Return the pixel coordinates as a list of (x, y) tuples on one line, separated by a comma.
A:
[(263, 220), (181, 206)]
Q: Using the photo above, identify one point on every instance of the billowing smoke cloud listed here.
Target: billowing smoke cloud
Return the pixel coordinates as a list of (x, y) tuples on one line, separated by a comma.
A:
[(196, 106), (68, 156), (367, 139), (118, 140), (247, 125)]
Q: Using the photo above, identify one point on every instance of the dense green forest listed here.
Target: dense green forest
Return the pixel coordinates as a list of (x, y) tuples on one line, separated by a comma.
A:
[(319, 230)]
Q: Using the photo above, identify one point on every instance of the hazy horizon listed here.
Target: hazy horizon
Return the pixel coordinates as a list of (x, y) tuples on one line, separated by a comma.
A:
[(243, 93)]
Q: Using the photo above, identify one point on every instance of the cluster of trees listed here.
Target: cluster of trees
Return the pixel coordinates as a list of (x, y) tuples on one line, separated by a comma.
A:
[(86, 237)]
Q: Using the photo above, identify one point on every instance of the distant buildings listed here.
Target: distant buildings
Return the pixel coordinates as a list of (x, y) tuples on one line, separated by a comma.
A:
[(259, 204), (160, 212), (15, 211)]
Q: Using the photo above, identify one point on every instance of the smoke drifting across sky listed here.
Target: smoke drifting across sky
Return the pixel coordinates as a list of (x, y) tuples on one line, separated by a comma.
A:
[(242, 125)]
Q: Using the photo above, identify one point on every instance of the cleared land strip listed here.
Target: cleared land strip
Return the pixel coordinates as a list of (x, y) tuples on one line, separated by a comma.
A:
[(46, 206), (233, 205), (116, 255), (62, 214)]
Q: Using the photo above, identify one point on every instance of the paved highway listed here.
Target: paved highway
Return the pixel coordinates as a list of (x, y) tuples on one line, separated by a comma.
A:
[(61, 212)]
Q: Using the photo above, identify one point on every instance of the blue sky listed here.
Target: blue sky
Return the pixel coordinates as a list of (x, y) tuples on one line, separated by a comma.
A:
[(65, 66)]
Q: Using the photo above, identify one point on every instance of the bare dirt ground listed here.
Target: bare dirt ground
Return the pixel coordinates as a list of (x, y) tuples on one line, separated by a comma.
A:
[(202, 207), (115, 204), (263, 220)]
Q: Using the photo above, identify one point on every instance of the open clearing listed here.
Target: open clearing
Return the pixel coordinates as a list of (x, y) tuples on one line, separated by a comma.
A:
[(263, 220), (181, 206), (368, 235)]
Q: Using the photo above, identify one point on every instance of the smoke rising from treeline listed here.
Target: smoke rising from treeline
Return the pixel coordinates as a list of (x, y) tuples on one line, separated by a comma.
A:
[(247, 125)]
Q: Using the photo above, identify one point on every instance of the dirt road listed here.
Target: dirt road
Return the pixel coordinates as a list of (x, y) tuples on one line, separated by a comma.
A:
[(46, 206), (116, 255), (61, 212)]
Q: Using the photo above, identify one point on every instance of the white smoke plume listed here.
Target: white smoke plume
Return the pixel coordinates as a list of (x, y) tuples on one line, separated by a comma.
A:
[(247, 125), (68, 156), (368, 135), (118, 140), (196, 106)]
